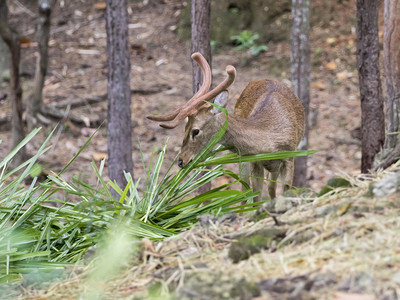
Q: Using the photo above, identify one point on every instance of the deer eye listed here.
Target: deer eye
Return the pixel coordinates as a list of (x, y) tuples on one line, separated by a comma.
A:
[(195, 132)]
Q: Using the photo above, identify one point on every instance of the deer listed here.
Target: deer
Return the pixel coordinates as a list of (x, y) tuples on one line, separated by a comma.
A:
[(268, 117)]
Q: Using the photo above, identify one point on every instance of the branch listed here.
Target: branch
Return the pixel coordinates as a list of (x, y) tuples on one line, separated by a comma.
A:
[(390, 159), (155, 89)]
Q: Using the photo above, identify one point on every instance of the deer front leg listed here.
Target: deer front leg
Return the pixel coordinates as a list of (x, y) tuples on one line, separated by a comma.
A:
[(257, 179), (272, 184), (244, 173)]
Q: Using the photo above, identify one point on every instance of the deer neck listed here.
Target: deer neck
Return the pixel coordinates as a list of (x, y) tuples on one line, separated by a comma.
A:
[(239, 134)]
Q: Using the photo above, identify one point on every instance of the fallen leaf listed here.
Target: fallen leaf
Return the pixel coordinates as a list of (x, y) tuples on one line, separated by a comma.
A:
[(341, 76), (100, 5), (25, 42), (318, 85), (330, 40), (343, 209), (87, 131), (331, 66)]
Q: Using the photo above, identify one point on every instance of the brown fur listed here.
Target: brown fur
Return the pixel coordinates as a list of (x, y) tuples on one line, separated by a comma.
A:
[(268, 117)]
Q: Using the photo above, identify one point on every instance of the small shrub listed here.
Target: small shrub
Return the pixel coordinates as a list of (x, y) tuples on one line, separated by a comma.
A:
[(246, 41)]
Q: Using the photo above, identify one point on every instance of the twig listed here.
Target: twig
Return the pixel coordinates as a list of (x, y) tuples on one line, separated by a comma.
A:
[(341, 141), (95, 99), (54, 112), (27, 11)]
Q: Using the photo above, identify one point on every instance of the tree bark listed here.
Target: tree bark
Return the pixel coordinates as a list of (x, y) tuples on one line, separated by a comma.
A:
[(43, 34), (300, 76), (200, 16), (200, 37), (391, 59), (372, 116), (4, 59), (11, 38), (119, 92)]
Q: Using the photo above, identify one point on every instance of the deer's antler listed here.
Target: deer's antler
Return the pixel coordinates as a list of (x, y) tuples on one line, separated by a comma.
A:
[(194, 104), (205, 67)]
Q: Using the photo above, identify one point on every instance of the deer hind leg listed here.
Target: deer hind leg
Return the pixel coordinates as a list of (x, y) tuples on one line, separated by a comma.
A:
[(272, 184), (274, 168), (287, 173), (257, 179)]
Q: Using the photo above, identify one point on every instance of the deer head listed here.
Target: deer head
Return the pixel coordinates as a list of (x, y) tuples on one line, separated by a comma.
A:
[(201, 125)]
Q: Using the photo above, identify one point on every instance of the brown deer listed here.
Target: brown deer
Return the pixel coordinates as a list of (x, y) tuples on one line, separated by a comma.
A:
[(268, 117)]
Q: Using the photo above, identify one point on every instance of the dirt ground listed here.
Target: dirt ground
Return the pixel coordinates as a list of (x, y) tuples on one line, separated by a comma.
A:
[(160, 60)]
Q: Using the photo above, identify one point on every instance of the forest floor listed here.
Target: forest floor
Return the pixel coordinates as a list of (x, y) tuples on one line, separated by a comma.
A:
[(161, 79), (161, 62)]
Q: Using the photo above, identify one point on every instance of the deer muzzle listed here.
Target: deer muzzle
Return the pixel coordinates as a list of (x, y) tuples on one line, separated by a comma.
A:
[(182, 162)]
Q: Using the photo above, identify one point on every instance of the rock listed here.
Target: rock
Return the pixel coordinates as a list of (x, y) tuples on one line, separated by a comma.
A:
[(279, 205), (245, 246), (206, 220), (358, 283), (297, 287), (323, 280), (387, 185), (209, 285), (322, 211), (283, 204)]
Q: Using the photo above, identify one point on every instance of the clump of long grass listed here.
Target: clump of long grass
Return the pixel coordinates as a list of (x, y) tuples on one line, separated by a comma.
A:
[(42, 230)]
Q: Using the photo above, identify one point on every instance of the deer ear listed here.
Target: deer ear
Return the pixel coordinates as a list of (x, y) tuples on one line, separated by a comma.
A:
[(221, 100)]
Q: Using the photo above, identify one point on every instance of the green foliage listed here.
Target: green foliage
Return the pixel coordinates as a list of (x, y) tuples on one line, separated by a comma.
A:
[(247, 245), (247, 42), (42, 230), (116, 250), (333, 183), (36, 170), (51, 224)]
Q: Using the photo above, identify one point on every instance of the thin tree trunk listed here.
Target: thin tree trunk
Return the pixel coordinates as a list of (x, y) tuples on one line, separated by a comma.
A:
[(372, 117), (11, 38), (43, 33), (201, 10), (119, 92), (4, 59), (391, 58), (200, 37), (300, 76)]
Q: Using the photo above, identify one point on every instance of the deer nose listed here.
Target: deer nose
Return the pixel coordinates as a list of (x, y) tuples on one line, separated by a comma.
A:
[(180, 163)]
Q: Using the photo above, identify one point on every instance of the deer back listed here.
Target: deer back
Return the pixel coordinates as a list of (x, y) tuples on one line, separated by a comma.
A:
[(274, 107)]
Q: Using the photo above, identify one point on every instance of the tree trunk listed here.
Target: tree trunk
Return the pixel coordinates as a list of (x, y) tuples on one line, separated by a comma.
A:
[(4, 60), (200, 37), (200, 43), (300, 76), (11, 38), (43, 33), (391, 59), (372, 117), (119, 92)]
